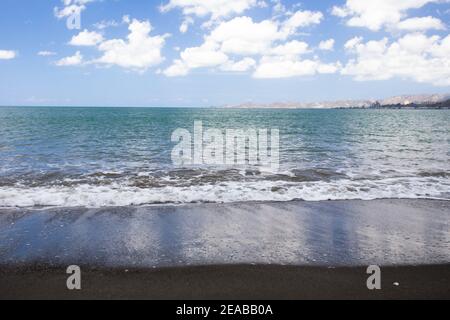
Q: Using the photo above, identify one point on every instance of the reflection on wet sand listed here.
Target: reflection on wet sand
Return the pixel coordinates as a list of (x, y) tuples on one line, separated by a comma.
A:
[(383, 232)]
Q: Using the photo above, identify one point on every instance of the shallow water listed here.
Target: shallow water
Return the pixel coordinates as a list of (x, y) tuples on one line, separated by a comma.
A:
[(98, 157)]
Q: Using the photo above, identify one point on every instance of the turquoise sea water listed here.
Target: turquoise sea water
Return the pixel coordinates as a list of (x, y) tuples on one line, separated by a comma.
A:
[(122, 156)]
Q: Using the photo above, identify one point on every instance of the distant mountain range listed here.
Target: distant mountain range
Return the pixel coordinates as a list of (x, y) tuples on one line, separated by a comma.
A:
[(398, 100)]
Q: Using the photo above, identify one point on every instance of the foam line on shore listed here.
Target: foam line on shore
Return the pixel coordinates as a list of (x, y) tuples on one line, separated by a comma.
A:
[(95, 196)]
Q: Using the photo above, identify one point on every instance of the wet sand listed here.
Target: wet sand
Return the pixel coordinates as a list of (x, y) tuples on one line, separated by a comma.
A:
[(246, 250)]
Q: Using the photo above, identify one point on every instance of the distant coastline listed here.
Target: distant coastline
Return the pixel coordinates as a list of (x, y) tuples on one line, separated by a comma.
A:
[(433, 101), (444, 105)]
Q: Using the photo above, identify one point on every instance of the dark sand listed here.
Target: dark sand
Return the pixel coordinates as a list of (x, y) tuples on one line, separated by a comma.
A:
[(325, 248), (229, 283)]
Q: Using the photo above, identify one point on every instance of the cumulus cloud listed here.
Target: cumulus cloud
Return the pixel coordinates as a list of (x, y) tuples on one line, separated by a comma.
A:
[(214, 8), (204, 56), (376, 15), (275, 67), (233, 44), (177, 69), (301, 19), (243, 36), (327, 44), (414, 57), (7, 54), (421, 24), (292, 48), (75, 60), (243, 65), (353, 42), (86, 38), (139, 51)]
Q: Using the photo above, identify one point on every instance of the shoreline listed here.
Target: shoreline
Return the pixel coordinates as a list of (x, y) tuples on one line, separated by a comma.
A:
[(187, 204), (292, 250), (329, 233)]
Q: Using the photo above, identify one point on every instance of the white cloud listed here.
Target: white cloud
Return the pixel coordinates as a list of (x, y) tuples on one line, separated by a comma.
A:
[(292, 48), (341, 12), (285, 61), (350, 44), (242, 36), (328, 68), (301, 19), (177, 69), (239, 66), (74, 60), (204, 56), (214, 8), (421, 24), (126, 19), (138, 52), (415, 57), (71, 7), (7, 54), (46, 53), (86, 38), (327, 44), (286, 67), (233, 45), (379, 14)]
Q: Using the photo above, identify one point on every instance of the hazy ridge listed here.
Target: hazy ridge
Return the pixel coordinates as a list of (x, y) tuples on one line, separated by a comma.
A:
[(396, 100)]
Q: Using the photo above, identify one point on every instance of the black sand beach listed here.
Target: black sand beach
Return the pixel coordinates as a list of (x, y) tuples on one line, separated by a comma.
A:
[(292, 250), (233, 282)]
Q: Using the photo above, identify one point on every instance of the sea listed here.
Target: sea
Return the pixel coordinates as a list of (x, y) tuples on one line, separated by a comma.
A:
[(107, 157)]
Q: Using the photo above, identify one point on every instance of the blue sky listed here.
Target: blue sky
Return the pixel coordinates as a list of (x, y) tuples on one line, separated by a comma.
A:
[(217, 52)]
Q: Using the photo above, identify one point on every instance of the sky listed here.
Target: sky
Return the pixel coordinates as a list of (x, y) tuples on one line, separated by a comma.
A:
[(220, 52)]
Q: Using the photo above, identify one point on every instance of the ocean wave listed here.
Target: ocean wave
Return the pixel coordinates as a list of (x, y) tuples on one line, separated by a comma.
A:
[(116, 194)]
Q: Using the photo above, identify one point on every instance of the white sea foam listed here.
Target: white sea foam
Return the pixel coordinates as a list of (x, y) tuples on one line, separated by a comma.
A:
[(235, 191)]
